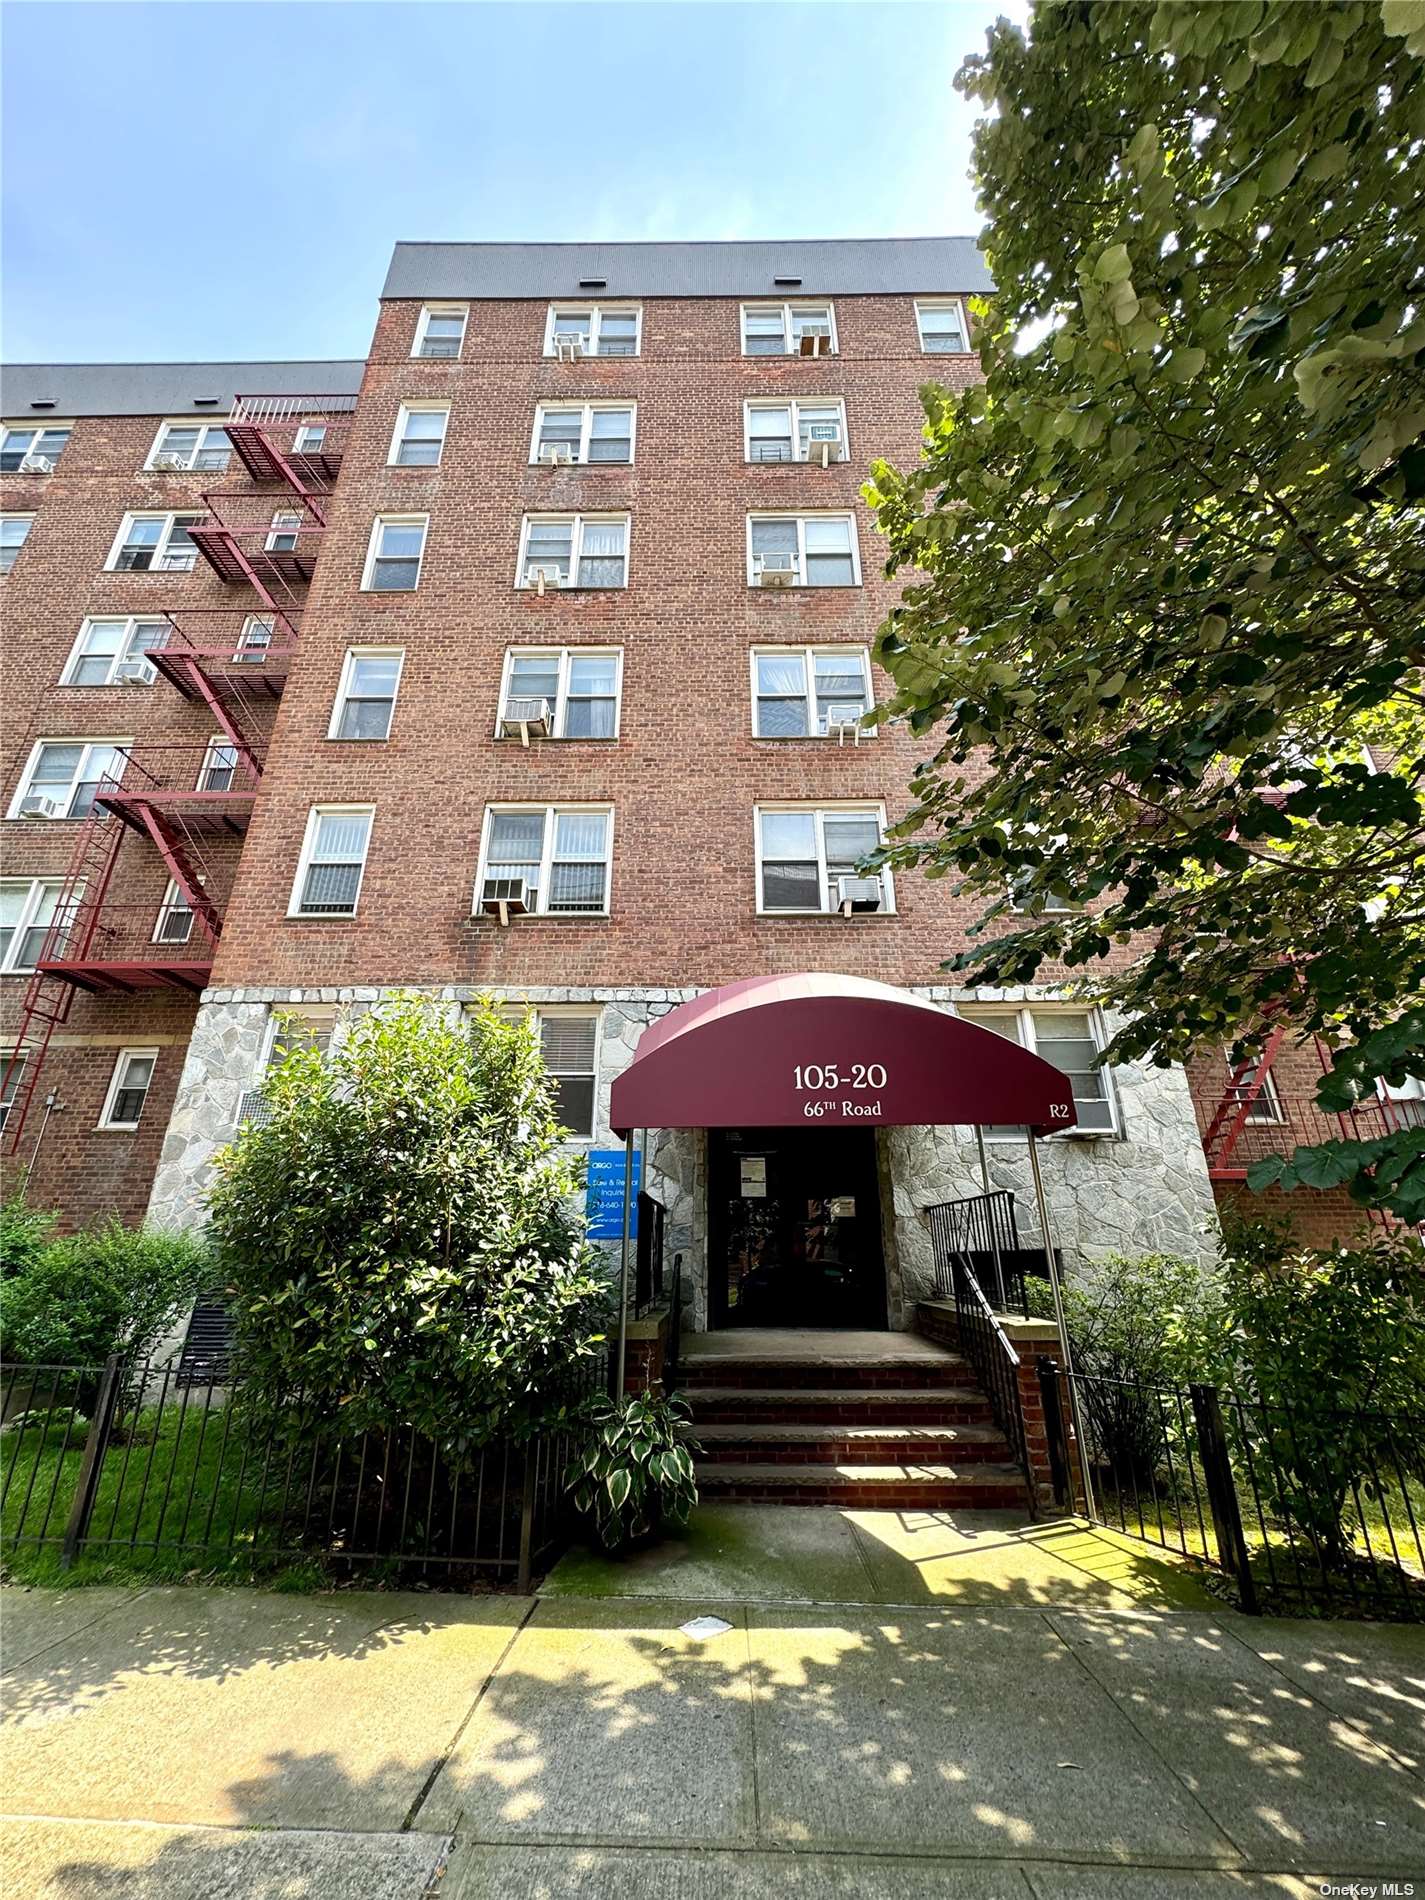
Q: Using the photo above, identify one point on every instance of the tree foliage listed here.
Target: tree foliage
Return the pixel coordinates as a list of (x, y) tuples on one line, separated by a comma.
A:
[(401, 1240), (1171, 554)]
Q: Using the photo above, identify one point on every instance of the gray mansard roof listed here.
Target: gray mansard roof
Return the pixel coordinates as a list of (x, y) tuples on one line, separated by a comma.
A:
[(825, 267), (37, 390)]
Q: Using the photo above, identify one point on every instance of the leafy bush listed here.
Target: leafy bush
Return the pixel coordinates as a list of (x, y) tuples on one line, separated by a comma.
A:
[(74, 1300), (24, 1233), (401, 1240), (635, 1473)]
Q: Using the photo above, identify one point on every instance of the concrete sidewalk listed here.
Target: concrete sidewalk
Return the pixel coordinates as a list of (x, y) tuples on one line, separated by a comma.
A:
[(1024, 1726)]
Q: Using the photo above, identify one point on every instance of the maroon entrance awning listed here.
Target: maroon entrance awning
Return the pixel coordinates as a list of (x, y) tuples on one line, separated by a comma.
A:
[(818, 1050)]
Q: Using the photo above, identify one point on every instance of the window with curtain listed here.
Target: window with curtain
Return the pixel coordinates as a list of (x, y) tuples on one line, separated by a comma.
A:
[(367, 696), (942, 327), (601, 554), (104, 646), (1069, 1040), (581, 689), (818, 550), (420, 436), (804, 850), (562, 853), (394, 563), (330, 878)]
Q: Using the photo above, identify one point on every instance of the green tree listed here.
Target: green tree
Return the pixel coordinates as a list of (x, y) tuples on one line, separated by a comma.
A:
[(72, 1300), (401, 1240), (1170, 556)]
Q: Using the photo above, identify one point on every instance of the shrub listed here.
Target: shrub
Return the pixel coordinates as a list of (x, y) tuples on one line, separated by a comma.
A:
[(401, 1240), (74, 1300), (635, 1472), (24, 1233)]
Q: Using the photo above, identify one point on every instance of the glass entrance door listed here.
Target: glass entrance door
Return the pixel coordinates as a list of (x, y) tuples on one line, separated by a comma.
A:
[(795, 1228)]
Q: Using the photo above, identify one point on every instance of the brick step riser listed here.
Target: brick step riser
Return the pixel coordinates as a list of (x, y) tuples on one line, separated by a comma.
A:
[(871, 1496), (744, 1377), (967, 1411), (945, 1451)]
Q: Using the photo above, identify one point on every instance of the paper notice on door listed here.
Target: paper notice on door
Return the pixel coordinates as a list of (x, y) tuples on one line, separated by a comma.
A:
[(754, 1177)]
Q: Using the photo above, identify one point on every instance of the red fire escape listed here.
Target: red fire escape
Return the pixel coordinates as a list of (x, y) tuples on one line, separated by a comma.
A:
[(184, 801)]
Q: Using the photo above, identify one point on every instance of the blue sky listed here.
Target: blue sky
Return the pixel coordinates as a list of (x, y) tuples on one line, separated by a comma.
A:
[(203, 181)]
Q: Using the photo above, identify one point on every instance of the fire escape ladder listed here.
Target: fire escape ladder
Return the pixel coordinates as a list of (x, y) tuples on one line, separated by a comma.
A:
[(180, 866), (49, 997), (223, 716), (1237, 1103)]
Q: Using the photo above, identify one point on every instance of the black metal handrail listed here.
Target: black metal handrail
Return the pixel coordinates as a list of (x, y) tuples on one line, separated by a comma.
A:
[(648, 1257), (987, 1346), (981, 1232), (673, 1348)]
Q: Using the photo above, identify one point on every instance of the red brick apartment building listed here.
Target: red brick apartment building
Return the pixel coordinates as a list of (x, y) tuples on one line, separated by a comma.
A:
[(525, 657)]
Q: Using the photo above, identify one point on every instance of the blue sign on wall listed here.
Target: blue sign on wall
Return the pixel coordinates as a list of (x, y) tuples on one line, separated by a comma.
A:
[(603, 1195)]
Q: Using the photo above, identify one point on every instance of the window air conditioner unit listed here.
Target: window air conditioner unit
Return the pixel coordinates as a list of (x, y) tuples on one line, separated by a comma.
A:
[(254, 1109), (568, 345), (543, 575), (824, 442), (555, 453), (844, 718), (858, 894), (38, 806), (775, 570), (172, 463), (504, 897), (530, 718), (134, 673), (815, 343), (36, 465)]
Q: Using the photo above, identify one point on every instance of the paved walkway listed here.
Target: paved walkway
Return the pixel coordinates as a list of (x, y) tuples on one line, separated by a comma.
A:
[(897, 1709)]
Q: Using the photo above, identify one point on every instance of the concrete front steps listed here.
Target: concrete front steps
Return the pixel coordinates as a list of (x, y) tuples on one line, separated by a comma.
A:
[(863, 1421)]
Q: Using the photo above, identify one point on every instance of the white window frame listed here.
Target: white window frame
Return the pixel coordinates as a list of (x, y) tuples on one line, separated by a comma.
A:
[(565, 656), (34, 429), (214, 760), (1023, 1014), (35, 890), (567, 1012), (508, 807), (597, 312), (398, 434), (127, 651), (589, 409), (763, 305), (811, 514), (309, 1016), (348, 668), (372, 547), (23, 789), (808, 656), (795, 404), (820, 810), (923, 304), (1266, 1106), (12, 1079), (429, 310), (175, 904), (254, 650), (170, 519), (204, 425), (303, 442), (576, 545), (125, 1056), (304, 863), (29, 521)]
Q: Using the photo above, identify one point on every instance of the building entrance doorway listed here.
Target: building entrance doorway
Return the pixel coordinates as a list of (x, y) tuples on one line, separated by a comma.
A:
[(794, 1228)]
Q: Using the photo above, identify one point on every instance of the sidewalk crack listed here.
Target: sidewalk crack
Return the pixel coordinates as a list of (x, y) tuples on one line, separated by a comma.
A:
[(444, 1757)]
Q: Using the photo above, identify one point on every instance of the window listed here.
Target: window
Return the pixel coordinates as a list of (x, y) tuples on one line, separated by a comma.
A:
[(282, 534), (310, 439), (190, 445), (62, 776), (816, 550), (1404, 1102), (175, 916), (219, 767), (441, 329), (109, 652), (366, 697), (582, 432), (12, 1076), (788, 329), (13, 532), (801, 852), (943, 331), (128, 1089), (27, 909), (1266, 1105), (574, 551), (289, 1030), (794, 431), (798, 691), (599, 329), (393, 560), (36, 446), (420, 435), (569, 1043), (1070, 1040), (156, 543), (333, 858), (561, 851), (580, 684), (256, 638)]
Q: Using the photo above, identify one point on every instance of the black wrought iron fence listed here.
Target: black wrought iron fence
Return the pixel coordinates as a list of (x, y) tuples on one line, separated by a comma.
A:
[(982, 1232), (1325, 1508), (145, 1461)]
